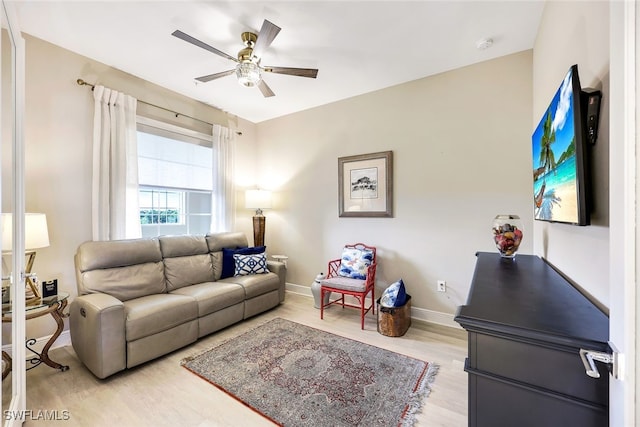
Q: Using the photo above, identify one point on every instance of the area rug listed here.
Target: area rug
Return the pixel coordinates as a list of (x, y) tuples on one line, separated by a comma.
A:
[(300, 376)]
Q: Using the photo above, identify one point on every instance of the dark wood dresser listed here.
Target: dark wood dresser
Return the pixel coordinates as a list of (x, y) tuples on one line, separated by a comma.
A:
[(526, 327)]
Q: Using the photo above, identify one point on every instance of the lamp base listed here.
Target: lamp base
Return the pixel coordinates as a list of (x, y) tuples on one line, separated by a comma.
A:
[(32, 291), (258, 230)]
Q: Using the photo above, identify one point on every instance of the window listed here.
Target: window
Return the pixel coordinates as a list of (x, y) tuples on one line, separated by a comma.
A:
[(161, 206), (175, 179)]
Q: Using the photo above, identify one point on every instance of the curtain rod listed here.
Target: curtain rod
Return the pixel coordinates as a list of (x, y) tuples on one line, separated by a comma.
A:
[(83, 83)]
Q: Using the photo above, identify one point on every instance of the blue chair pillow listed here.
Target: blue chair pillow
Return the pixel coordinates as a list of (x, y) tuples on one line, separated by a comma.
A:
[(354, 263)]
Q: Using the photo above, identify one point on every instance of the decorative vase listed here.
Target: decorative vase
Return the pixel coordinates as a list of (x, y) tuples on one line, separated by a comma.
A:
[(315, 290), (507, 234)]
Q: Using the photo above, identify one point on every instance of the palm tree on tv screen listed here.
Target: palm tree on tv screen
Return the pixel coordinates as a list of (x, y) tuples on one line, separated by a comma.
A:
[(547, 158)]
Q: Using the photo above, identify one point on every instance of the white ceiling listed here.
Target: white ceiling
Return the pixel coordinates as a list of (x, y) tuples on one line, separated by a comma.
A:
[(358, 46)]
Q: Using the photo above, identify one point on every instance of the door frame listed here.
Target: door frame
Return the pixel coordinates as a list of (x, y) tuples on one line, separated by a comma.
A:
[(624, 218), (17, 406)]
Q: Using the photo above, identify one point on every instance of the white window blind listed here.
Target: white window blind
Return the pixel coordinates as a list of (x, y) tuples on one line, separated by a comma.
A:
[(176, 179), (165, 162)]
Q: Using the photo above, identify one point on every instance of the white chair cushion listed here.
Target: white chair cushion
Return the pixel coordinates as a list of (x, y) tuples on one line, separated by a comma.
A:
[(344, 283)]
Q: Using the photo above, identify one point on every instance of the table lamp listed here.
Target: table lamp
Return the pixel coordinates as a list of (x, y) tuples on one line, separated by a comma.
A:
[(36, 236), (258, 200)]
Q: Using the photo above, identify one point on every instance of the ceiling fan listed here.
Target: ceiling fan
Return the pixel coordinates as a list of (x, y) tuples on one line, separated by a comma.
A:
[(248, 69)]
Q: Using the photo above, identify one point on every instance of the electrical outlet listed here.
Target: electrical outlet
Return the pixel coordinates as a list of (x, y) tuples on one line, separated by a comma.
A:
[(442, 286)]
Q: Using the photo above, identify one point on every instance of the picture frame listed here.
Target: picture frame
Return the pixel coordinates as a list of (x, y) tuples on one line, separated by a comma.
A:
[(365, 185)]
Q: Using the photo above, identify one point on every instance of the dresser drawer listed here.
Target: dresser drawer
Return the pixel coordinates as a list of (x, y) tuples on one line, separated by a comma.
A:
[(495, 403), (559, 370)]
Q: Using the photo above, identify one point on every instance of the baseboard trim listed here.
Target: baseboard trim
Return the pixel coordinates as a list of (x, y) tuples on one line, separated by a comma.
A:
[(298, 289), (63, 340), (422, 314)]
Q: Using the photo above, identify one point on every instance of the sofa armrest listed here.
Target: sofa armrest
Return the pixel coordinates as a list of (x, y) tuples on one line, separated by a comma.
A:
[(279, 268), (97, 326)]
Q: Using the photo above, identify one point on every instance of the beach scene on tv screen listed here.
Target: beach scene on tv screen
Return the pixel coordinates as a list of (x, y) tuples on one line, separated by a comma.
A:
[(555, 194)]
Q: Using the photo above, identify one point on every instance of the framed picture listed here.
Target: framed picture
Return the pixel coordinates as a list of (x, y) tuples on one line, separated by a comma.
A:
[(366, 185)]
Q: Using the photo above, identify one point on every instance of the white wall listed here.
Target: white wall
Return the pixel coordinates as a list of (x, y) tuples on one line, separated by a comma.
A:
[(461, 143), (462, 154), (577, 33), (58, 138)]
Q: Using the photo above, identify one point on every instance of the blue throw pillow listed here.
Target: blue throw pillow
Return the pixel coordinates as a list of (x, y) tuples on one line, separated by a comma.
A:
[(229, 264), (394, 296)]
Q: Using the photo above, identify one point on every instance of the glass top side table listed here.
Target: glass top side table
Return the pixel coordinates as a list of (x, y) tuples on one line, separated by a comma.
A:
[(53, 305)]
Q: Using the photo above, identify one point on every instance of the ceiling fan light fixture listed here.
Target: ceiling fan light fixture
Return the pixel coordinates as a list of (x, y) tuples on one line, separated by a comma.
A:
[(248, 73), (247, 69)]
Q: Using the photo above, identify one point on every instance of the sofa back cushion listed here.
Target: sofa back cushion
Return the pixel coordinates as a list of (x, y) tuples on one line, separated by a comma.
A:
[(124, 269), (186, 261), (125, 283), (226, 239), (223, 240)]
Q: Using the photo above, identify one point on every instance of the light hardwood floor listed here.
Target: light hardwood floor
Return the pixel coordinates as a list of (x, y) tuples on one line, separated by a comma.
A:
[(162, 393)]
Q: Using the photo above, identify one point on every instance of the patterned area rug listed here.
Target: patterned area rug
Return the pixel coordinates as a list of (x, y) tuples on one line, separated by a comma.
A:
[(300, 376)]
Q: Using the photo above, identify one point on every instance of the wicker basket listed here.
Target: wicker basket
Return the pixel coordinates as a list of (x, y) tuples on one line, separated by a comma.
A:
[(394, 321)]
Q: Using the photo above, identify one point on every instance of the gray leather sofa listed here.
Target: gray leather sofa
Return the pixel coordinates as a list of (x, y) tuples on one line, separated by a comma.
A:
[(139, 299)]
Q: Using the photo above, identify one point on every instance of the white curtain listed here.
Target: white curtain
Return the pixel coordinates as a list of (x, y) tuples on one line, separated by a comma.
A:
[(115, 207), (223, 199)]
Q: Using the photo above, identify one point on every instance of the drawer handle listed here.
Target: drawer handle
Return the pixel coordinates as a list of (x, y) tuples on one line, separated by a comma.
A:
[(589, 356)]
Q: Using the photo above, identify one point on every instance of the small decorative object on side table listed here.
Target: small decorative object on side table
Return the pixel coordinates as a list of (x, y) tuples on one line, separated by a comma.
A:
[(53, 305), (49, 288)]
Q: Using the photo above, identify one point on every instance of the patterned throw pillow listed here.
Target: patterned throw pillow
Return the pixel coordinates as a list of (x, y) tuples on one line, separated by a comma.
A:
[(250, 264), (354, 263), (395, 295), (228, 263)]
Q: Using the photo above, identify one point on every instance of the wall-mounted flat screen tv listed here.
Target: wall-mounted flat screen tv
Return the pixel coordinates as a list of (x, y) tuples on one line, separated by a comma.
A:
[(560, 162)]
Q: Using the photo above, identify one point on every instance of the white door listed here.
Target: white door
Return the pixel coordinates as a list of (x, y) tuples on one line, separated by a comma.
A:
[(12, 186)]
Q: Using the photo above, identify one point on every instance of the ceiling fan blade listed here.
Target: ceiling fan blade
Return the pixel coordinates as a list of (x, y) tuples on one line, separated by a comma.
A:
[(300, 72), (265, 89), (214, 76), (267, 34), (186, 37)]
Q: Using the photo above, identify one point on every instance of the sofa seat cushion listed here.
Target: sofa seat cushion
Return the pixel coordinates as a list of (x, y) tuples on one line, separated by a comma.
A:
[(213, 296), (151, 314), (256, 284)]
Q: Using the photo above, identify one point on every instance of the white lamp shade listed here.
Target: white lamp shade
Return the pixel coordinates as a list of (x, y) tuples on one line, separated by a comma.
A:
[(35, 230), (257, 199)]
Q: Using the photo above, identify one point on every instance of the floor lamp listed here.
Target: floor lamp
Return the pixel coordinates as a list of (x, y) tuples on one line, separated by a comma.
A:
[(258, 200), (36, 236)]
